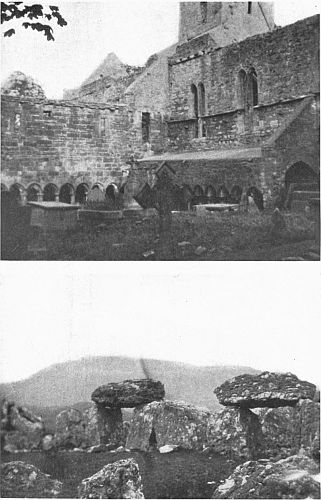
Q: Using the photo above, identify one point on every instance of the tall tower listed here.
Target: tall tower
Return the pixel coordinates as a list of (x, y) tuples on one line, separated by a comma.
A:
[(227, 22)]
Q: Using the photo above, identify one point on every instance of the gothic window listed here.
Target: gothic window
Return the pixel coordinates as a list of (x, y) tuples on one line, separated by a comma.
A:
[(17, 121), (204, 12), (201, 99), (242, 81), (249, 7), (252, 88), (195, 108), (146, 127)]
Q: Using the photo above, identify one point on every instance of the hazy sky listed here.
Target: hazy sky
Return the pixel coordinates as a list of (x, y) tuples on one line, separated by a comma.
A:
[(259, 314), (133, 29)]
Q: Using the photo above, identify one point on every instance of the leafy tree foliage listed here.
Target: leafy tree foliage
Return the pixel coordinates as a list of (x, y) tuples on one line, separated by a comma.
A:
[(34, 16)]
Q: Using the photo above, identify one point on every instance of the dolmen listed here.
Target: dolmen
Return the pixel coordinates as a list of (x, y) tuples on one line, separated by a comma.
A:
[(101, 427), (279, 413)]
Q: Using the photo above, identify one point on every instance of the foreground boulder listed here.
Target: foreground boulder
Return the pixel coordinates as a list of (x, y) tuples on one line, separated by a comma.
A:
[(21, 429), (264, 390), (19, 479), (293, 477), (117, 480), (163, 423), (129, 393)]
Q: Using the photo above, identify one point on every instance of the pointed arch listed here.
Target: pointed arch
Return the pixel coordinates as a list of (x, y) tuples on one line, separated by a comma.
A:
[(253, 91)]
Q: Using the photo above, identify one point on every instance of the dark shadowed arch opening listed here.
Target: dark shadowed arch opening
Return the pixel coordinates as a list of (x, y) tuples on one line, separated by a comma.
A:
[(50, 192), (198, 196), (257, 197), (236, 194), (253, 91), (152, 442), (66, 193), (242, 86), (223, 195), (111, 192), (81, 194), (16, 191), (33, 192), (210, 194), (300, 173)]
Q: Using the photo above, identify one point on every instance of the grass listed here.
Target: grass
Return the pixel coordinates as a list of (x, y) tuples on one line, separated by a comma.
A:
[(225, 236), (182, 474)]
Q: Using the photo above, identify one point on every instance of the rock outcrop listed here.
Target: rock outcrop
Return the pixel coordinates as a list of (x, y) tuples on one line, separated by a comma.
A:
[(264, 390), (293, 477), (20, 428), (163, 423), (128, 394), (19, 479), (117, 480)]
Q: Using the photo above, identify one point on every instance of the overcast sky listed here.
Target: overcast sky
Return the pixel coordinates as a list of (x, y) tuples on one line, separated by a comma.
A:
[(133, 29), (260, 314)]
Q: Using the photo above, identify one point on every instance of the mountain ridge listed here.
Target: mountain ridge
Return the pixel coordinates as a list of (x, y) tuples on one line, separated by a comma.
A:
[(71, 382)]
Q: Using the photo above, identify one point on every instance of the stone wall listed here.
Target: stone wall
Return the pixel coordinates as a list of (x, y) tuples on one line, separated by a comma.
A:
[(286, 63), (59, 142)]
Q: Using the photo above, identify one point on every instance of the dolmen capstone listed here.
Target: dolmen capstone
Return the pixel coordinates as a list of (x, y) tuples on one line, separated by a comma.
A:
[(19, 479), (120, 479), (21, 429), (277, 411), (268, 390), (292, 477)]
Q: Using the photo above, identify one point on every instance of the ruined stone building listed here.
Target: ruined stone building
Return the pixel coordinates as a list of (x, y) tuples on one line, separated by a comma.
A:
[(233, 106)]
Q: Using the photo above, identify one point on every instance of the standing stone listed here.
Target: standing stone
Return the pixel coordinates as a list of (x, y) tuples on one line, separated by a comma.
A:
[(310, 427), (293, 477), (129, 393), (70, 430), (236, 433), (19, 479), (264, 390), (281, 431), (117, 480), (163, 423), (20, 428)]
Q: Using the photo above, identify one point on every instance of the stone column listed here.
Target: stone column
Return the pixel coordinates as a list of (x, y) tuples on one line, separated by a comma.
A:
[(110, 424)]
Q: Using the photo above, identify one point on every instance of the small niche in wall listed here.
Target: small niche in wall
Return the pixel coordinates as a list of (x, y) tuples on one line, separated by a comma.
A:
[(249, 7), (47, 113)]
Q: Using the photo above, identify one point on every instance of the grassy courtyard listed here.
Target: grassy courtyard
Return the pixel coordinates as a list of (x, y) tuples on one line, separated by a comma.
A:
[(214, 237)]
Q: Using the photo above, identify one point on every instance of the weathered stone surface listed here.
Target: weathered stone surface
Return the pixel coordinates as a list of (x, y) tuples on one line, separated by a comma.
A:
[(20, 85), (281, 431), (104, 426), (310, 427), (20, 428), (264, 390), (129, 393), (163, 423), (21, 479), (117, 480), (235, 433), (70, 430), (293, 477), (48, 442)]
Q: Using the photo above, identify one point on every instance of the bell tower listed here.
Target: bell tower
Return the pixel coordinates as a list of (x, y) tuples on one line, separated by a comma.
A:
[(227, 21)]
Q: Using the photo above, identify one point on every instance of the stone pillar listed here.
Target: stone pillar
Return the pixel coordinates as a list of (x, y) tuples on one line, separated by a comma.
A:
[(110, 423)]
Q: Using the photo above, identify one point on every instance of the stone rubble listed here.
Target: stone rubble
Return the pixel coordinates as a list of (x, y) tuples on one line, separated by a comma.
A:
[(20, 428)]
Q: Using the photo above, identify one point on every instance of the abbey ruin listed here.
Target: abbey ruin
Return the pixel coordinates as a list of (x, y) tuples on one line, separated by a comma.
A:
[(232, 107)]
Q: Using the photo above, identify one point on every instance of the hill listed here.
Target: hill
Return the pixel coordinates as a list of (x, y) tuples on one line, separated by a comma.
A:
[(71, 382)]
